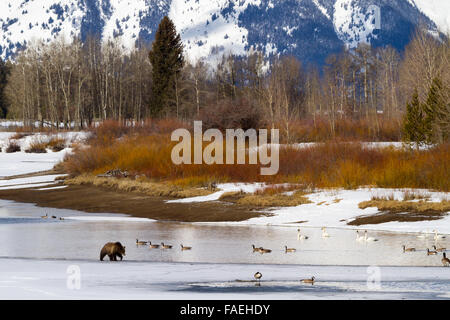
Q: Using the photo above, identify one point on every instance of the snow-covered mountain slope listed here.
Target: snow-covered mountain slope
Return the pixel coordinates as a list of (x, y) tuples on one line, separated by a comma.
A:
[(436, 10), (308, 29)]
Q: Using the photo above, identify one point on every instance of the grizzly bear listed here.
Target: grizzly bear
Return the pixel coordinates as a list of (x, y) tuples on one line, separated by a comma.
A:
[(112, 250)]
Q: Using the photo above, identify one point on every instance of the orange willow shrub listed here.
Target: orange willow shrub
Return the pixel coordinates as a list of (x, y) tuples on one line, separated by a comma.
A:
[(307, 130), (332, 164)]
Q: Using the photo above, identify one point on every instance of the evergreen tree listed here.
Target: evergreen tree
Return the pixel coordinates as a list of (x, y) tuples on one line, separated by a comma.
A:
[(4, 72), (166, 57), (413, 123), (436, 114)]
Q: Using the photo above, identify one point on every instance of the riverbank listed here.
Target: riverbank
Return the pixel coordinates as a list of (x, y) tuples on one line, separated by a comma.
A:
[(103, 200), (334, 208)]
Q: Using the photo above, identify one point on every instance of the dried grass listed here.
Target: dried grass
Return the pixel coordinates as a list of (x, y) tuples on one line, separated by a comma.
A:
[(407, 206), (140, 186)]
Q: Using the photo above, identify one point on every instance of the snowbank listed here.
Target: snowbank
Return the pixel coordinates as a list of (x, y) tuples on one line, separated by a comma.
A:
[(18, 163), (336, 207)]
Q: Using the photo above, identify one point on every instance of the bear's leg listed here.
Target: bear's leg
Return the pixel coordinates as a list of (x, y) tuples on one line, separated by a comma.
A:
[(120, 256), (111, 257)]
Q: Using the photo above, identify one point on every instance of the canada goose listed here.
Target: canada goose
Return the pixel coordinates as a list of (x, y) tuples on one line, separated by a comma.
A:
[(430, 253), (358, 237), (405, 249), (53, 217), (368, 239), (262, 250), (324, 233), (140, 242), (308, 280), (286, 249), (301, 236), (165, 246), (438, 236), (256, 249), (185, 248), (445, 260), (153, 246), (45, 217), (258, 276), (61, 218), (439, 249)]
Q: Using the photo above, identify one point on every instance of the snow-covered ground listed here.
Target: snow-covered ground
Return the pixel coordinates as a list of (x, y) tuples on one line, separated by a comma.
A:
[(335, 208), (18, 163), (224, 187), (72, 279)]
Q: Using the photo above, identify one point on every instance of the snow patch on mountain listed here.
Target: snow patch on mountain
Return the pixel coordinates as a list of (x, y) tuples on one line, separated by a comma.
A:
[(436, 10), (124, 21), (210, 28), (43, 20), (322, 9), (354, 24)]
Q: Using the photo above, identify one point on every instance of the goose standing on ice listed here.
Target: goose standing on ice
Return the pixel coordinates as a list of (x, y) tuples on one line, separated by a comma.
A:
[(431, 253), (405, 249), (165, 246), (445, 260), (286, 249), (308, 280), (258, 276), (439, 249), (256, 249), (153, 246), (368, 239), (325, 233), (45, 217), (183, 248), (262, 250), (141, 242), (301, 236)]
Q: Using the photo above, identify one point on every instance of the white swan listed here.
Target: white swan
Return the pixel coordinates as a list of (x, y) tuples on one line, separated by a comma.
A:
[(368, 239), (438, 236), (358, 237), (325, 233), (301, 236)]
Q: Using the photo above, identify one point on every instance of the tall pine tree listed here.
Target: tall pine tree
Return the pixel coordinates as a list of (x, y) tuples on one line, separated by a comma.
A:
[(436, 113), (414, 130), (166, 57)]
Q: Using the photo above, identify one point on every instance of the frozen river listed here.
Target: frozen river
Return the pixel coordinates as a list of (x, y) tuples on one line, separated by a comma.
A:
[(37, 254), (80, 236)]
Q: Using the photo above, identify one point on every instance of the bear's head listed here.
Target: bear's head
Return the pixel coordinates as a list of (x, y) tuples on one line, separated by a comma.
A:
[(120, 248)]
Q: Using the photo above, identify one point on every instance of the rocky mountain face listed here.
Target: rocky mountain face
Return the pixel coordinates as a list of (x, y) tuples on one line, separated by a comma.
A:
[(307, 29)]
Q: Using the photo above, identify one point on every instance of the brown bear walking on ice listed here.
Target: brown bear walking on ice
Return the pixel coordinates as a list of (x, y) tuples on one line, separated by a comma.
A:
[(112, 250)]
